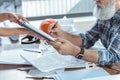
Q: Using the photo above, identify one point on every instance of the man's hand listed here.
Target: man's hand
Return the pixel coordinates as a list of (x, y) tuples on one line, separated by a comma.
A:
[(65, 47), (55, 31)]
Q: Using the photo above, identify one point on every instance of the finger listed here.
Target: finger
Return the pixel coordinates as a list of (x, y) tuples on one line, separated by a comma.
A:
[(21, 17), (56, 45), (54, 26), (52, 34), (13, 17), (61, 40), (50, 28)]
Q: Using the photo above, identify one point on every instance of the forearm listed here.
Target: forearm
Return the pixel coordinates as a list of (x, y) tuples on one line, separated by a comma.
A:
[(3, 17), (75, 39), (13, 31), (89, 55)]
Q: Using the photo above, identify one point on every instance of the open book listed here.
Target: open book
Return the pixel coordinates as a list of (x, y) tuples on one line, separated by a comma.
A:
[(34, 29)]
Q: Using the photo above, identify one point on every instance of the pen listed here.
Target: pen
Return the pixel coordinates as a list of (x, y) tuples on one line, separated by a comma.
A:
[(32, 51), (47, 78), (41, 77), (54, 25)]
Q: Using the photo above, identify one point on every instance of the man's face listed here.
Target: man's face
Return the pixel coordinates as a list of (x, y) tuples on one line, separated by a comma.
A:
[(102, 2), (104, 9)]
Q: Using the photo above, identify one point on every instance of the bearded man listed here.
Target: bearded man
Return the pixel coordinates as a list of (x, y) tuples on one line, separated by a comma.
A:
[(106, 29)]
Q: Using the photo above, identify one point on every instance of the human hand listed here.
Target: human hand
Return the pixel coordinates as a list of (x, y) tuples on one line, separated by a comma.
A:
[(14, 17), (65, 47), (56, 31)]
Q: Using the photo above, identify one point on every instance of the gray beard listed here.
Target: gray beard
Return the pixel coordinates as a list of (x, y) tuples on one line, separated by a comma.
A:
[(104, 12)]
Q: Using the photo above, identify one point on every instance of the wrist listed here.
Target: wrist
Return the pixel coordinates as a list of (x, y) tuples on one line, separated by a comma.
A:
[(76, 51), (80, 54)]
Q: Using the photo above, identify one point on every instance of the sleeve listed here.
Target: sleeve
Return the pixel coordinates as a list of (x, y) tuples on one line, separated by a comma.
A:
[(91, 36), (112, 54)]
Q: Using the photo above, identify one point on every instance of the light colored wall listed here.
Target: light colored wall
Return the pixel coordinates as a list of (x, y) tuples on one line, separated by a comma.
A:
[(84, 23)]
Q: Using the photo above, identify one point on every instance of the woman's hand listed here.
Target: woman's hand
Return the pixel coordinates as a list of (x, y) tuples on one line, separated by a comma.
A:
[(12, 17)]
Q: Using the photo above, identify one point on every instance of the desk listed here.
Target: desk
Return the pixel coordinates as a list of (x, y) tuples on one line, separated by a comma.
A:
[(10, 72)]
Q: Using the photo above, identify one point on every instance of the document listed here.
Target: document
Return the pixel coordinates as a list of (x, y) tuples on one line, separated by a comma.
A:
[(81, 74), (52, 61), (34, 29)]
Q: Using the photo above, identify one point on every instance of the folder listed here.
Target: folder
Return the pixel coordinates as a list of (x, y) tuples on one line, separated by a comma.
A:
[(80, 74), (110, 77)]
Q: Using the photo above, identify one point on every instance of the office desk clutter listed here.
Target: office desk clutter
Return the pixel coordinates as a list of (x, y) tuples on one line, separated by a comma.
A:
[(42, 56), (45, 60), (51, 59), (65, 23)]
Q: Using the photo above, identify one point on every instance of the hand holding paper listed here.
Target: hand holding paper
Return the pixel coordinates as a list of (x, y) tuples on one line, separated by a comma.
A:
[(34, 29)]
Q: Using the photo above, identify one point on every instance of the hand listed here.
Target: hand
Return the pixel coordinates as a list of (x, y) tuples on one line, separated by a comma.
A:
[(56, 31), (65, 47), (14, 17)]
